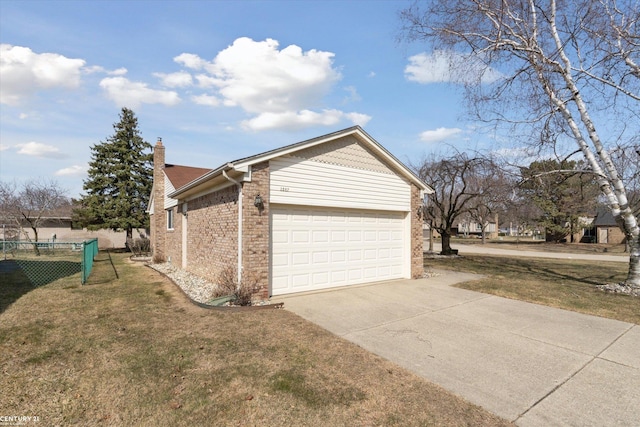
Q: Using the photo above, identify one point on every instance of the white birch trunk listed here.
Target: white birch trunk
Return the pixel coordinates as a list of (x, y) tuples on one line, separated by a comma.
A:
[(608, 177)]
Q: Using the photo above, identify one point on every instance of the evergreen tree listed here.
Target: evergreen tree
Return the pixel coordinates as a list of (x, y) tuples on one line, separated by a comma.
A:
[(119, 182)]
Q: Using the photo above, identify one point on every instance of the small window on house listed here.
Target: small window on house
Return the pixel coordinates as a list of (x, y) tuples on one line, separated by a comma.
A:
[(169, 219)]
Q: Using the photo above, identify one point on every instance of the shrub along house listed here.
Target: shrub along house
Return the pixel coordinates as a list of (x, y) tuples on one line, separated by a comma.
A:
[(331, 211)]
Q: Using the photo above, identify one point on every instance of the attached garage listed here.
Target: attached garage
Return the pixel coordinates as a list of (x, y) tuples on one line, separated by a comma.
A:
[(332, 211), (321, 248)]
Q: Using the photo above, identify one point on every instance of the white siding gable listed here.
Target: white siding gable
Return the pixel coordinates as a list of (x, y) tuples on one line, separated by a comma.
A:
[(168, 189), (297, 181)]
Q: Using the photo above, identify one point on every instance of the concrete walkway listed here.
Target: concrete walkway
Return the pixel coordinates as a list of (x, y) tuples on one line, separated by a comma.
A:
[(532, 364)]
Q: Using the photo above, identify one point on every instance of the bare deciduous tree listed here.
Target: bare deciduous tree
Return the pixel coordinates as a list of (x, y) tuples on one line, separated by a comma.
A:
[(459, 182), (31, 204), (496, 191), (567, 70)]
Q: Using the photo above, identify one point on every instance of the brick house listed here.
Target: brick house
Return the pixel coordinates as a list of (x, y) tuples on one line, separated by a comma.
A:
[(331, 211), (606, 229)]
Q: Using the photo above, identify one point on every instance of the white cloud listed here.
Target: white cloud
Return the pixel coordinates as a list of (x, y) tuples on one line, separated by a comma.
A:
[(278, 87), (358, 118), (190, 60), (98, 69), (4, 147), (205, 81), (118, 72), (294, 120), (179, 79), (440, 134), (353, 95), (23, 72), (75, 170), (260, 78), (130, 94), (448, 67), (209, 100), (38, 149)]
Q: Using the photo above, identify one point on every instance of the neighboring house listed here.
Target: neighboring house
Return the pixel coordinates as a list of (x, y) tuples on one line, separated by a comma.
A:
[(330, 211), (605, 228), (469, 227), (58, 226)]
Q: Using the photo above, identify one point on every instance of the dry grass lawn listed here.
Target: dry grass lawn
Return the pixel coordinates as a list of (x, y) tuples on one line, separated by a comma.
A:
[(566, 284), (542, 246), (131, 350)]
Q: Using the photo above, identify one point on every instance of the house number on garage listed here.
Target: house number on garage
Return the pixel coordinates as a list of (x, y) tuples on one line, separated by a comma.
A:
[(284, 189)]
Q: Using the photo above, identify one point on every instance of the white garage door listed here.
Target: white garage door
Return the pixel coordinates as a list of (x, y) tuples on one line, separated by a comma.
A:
[(323, 248)]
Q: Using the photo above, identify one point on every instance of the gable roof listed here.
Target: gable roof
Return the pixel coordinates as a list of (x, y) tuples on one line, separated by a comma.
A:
[(181, 175), (604, 218), (244, 164)]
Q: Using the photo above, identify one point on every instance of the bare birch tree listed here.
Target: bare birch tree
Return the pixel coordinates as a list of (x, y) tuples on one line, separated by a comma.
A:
[(566, 69)]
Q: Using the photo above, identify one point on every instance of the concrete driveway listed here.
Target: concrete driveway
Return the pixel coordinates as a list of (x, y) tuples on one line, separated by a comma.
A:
[(535, 365)]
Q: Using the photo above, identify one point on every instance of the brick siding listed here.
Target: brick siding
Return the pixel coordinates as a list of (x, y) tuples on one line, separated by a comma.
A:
[(255, 249), (417, 256), (212, 243)]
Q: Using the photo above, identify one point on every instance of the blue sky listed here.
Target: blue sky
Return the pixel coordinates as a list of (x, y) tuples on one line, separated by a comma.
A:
[(217, 80)]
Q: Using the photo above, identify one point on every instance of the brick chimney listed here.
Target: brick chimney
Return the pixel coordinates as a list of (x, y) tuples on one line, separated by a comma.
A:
[(159, 220)]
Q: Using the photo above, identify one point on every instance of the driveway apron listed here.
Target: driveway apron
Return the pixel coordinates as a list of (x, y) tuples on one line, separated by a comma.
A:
[(531, 364)]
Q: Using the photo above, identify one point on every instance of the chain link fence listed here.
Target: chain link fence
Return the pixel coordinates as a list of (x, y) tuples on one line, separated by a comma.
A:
[(46, 261)]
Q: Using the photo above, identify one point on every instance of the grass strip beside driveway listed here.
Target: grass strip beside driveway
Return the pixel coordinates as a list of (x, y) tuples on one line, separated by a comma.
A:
[(131, 350), (566, 284)]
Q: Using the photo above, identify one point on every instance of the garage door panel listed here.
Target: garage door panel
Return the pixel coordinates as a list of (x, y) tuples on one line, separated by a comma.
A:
[(355, 236), (300, 259), (370, 273), (370, 254), (355, 255), (370, 236), (339, 277), (320, 248), (320, 257), (280, 237), (338, 256), (280, 259), (300, 280), (321, 279), (320, 236), (300, 236)]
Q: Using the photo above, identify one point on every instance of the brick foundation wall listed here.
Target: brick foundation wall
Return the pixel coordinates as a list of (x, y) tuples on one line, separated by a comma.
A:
[(417, 257), (255, 248), (212, 243)]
